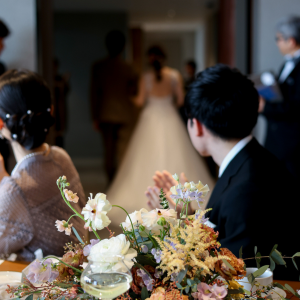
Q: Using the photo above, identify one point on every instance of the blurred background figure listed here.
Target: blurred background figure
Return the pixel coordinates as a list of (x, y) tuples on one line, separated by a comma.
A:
[(283, 133), (189, 77), (4, 147), (113, 84), (61, 90), (160, 140), (190, 73), (4, 32)]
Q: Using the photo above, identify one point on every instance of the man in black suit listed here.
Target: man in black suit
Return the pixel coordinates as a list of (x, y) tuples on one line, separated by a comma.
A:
[(283, 133), (4, 148), (254, 193)]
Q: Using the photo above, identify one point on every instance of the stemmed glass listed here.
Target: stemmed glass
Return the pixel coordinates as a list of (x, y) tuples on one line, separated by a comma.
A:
[(106, 277)]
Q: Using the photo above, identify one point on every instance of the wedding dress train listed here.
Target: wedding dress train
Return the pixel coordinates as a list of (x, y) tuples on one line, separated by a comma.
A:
[(160, 142)]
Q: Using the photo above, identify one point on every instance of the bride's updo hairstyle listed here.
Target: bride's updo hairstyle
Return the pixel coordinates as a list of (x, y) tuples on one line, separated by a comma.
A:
[(157, 57), (25, 107)]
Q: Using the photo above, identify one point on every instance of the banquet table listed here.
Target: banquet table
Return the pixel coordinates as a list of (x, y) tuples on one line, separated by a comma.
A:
[(19, 266)]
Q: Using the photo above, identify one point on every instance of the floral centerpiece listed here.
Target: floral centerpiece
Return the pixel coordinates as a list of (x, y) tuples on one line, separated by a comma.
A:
[(169, 255)]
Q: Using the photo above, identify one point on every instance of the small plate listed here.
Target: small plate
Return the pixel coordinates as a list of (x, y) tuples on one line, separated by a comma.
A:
[(10, 277), (274, 294)]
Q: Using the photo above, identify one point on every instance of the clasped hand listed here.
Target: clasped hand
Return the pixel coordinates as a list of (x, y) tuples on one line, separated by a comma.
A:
[(164, 180)]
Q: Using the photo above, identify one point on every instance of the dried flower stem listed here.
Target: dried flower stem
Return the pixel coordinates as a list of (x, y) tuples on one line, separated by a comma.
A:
[(77, 270)]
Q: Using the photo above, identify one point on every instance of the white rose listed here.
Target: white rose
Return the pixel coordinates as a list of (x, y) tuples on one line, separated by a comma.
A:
[(106, 250), (136, 218), (150, 219)]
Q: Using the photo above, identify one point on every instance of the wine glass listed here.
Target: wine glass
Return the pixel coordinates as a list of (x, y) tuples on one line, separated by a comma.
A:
[(106, 277)]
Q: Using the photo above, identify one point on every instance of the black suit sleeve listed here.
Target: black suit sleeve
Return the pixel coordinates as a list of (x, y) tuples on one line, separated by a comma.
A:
[(289, 109), (241, 217)]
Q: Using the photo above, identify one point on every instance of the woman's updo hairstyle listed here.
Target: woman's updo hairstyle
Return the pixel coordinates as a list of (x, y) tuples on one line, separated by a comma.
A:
[(25, 107), (159, 56)]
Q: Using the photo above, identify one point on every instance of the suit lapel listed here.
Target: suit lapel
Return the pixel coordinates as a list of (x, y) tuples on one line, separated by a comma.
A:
[(231, 170), (297, 65)]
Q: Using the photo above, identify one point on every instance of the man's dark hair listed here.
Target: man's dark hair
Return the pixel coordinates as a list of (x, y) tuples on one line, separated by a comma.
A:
[(192, 64), (224, 100), (4, 31), (115, 42)]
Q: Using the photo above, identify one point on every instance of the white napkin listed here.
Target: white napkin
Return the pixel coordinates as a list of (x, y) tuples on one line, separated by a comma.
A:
[(1, 261)]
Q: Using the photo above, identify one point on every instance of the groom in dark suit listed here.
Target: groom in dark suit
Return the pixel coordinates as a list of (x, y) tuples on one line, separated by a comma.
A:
[(255, 192)]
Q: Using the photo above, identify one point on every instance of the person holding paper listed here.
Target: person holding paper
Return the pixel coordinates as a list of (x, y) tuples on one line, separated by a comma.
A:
[(283, 133)]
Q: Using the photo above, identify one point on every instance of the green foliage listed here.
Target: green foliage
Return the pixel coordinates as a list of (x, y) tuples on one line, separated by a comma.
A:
[(228, 264), (293, 259), (255, 250), (275, 247), (277, 257), (30, 297), (163, 200), (64, 285), (290, 289), (181, 274), (278, 285), (272, 264), (179, 285), (260, 271), (251, 279), (241, 252), (144, 294), (144, 259), (258, 260)]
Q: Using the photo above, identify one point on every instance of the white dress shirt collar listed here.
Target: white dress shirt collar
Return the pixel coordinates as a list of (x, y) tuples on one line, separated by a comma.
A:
[(289, 66), (233, 152), (295, 55)]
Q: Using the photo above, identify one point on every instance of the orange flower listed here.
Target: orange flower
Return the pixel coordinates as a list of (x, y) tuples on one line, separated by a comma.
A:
[(226, 272)]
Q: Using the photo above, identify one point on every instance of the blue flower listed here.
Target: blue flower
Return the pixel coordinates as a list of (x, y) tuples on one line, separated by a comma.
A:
[(144, 249), (157, 254), (148, 281)]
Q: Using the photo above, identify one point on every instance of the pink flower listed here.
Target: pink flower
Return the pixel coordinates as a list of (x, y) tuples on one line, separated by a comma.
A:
[(70, 196), (220, 292), (63, 226), (71, 293), (206, 292)]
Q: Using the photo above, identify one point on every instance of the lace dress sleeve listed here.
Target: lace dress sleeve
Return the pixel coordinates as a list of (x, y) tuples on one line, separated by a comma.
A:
[(16, 229)]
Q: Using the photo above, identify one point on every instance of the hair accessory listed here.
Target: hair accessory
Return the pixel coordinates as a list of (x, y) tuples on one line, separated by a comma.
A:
[(45, 129), (48, 109), (29, 112), (7, 116), (14, 136)]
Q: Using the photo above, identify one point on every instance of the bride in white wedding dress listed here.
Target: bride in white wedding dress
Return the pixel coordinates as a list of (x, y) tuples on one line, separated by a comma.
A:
[(160, 142)]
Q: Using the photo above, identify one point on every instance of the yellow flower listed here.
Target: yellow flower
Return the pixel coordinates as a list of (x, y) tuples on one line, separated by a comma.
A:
[(173, 190), (234, 285), (187, 185), (202, 188)]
